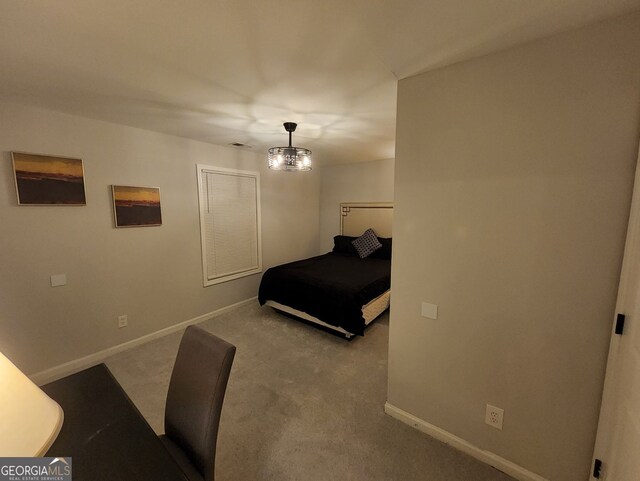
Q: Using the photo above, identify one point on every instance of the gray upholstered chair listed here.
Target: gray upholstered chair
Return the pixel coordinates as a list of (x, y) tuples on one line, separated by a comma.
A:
[(194, 402)]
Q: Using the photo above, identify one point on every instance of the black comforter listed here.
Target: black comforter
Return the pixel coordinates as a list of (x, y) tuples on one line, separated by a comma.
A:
[(332, 287)]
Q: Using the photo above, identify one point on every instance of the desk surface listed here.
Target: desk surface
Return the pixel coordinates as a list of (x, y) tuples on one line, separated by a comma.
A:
[(105, 434)]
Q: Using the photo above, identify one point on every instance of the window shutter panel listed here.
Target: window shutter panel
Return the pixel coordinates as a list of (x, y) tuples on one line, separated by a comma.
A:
[(230, 219)]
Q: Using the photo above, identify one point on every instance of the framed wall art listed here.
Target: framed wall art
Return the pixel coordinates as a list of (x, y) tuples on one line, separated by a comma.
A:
[(136, 206), (48, 179)]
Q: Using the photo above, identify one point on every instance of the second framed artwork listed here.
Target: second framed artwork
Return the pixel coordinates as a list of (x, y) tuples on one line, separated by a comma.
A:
[(136, 206)]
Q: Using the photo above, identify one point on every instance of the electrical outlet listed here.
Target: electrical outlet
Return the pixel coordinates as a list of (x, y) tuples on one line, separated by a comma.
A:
[(123, 321), (494, 417)]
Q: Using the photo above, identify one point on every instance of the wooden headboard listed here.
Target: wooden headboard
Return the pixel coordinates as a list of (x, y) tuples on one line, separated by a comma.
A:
[(356, 217)]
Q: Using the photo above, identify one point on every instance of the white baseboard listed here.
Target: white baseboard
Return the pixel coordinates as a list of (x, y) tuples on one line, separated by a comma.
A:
[(76, 365), (460, 444)]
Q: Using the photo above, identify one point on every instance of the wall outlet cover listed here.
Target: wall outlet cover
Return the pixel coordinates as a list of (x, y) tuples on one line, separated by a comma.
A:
[(58, 280), (123, 320), (429, 310), (494, 416)]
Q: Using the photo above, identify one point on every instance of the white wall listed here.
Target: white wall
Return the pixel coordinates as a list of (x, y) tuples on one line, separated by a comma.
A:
[(513, 180), (153, 274), (356, 182)]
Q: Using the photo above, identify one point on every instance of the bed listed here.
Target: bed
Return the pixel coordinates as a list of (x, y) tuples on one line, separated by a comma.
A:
[(338, 291)]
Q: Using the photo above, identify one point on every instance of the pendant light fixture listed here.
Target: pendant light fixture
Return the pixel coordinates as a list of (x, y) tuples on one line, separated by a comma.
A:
[(290, 159)]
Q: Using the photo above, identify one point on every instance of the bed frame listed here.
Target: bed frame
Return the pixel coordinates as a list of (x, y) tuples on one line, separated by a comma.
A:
[(355, 218)]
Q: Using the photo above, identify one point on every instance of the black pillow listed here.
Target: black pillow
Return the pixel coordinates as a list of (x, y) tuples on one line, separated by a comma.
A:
[(385, 251), (342, 244)]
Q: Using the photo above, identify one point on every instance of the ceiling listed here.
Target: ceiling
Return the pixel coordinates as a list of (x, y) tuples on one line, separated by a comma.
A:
[(226, 71)]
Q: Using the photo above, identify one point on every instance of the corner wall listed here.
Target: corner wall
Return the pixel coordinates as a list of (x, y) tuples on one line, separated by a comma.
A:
[(355, 182), (513, 182), (152, 274)]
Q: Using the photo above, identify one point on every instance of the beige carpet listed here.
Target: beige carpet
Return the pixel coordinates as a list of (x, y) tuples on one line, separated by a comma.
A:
[(301, 405)]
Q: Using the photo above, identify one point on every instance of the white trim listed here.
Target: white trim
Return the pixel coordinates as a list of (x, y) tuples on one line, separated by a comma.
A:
[(379, 305), (79, 364), (460, 444), (308, 317)]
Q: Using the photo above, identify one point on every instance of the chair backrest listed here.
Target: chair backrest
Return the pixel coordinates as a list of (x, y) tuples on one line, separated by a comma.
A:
[(196, 392)]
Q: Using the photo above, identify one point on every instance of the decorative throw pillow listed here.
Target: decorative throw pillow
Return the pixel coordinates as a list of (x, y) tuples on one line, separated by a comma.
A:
[(367, 243)]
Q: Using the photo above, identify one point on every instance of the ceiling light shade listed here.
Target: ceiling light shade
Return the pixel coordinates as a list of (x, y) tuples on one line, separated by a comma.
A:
[(290, 159), (30, 420)]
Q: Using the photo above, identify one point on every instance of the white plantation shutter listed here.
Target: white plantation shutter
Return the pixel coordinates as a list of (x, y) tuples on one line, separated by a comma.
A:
[(230, 223)]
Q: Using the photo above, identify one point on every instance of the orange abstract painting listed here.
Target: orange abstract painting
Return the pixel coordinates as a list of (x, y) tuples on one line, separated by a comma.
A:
[(136, 206), (48, 180)]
